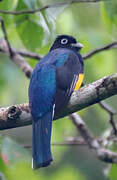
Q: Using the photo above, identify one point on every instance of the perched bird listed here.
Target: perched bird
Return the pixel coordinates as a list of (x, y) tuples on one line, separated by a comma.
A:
[(55, 77)]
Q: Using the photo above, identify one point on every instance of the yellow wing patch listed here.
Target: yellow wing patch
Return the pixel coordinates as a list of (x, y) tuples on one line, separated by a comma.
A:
[(79, 82)]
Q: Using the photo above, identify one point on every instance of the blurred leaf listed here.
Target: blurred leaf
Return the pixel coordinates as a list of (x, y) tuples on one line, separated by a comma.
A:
[(32, 62), (109, 15), (13, 152), (31, 34), (113, 172), (21, 171), (111, 9), (31, 4), (67, 172), (2, 164), (7, 5)]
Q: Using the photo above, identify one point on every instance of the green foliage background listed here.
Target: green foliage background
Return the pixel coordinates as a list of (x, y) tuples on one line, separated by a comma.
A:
[(93, 24)]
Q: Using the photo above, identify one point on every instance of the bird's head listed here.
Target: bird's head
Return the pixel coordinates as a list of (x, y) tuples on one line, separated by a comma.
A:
[(65, 41)]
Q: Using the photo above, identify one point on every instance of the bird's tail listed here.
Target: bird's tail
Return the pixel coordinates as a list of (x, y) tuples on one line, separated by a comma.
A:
[(41, 141)]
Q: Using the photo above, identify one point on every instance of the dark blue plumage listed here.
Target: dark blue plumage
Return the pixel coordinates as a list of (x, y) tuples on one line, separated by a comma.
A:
[(52, 83)]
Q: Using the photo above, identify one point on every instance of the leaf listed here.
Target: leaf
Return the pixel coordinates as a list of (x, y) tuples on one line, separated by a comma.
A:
[(31, 34), (28, 27), (12, 152)]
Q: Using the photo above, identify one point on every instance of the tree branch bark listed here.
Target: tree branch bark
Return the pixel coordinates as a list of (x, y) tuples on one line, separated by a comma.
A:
[(19, 115)]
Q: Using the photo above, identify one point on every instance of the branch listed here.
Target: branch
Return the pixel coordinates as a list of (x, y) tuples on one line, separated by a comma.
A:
[(19, 115), (103, 154), (103, 48), (47, 7)]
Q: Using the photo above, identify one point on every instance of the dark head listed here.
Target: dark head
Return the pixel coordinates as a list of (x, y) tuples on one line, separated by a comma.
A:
[(65, 41)]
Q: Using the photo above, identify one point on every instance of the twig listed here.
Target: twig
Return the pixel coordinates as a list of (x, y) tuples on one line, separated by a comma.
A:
[(111, 113), (16, 58), (103, 48), (6, 37), (113, 124), (71, 141), (64, 143), (28, 54), (54, 5), (107, 108), (102, 153), (19, 115)]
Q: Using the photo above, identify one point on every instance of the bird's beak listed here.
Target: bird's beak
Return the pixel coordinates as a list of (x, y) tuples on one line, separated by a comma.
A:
[(78, 45)]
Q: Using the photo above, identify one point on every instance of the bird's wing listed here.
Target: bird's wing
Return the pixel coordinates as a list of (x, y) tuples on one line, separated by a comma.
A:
[(42, 90), (69, 78)]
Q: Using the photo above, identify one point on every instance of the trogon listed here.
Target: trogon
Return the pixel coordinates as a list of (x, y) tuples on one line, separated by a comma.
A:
[(55, 77)]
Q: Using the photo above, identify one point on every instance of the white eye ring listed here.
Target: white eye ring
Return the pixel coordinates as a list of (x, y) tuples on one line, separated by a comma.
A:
[(64, 41)]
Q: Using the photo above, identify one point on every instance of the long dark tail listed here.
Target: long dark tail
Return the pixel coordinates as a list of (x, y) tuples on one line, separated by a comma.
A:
[(41, 141)]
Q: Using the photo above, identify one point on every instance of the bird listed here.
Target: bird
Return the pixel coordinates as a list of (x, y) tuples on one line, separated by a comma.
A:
[(55, 77)]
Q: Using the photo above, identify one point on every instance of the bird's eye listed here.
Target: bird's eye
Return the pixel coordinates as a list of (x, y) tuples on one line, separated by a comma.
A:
[(64, 41)]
